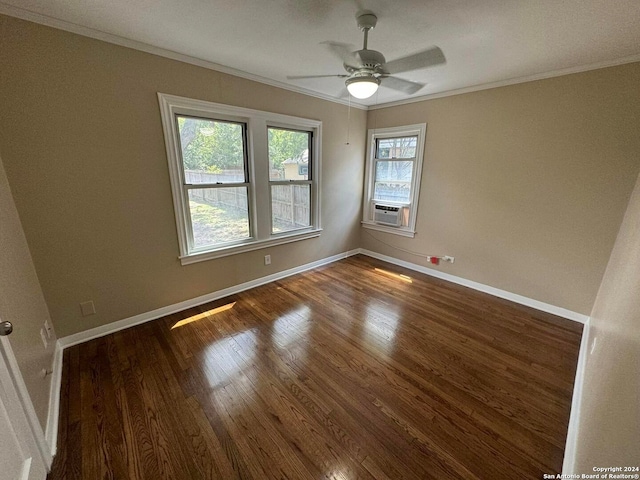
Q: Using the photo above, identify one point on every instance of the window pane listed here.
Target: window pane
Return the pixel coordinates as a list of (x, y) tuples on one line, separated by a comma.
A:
[(401, 147), (212, 150), (393, 181), (288, 154), (290, 207), (392, 192), (394, 171), (218, 215)]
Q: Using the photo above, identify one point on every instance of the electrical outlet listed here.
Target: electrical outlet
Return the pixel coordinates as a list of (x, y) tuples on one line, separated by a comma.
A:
[(87, 308), (43, 336), (267, 259), (48, 329), (449, 259)]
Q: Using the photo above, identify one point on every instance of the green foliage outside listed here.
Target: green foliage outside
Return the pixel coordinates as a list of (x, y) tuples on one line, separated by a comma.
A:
[(212, 146), (286, 144)]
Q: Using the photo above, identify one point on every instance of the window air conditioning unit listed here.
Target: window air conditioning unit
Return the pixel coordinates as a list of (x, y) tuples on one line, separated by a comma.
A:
[(387, 214)]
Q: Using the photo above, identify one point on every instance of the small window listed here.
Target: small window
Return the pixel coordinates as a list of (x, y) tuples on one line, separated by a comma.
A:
[(394, 165), (289, 179)]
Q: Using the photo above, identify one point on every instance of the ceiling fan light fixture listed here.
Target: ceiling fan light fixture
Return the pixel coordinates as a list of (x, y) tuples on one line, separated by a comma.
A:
[(362, 87)]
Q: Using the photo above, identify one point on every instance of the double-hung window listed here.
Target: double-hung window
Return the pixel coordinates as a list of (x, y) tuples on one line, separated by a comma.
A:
[(241, 179), (215, 181), (290, 182), (393, 171)]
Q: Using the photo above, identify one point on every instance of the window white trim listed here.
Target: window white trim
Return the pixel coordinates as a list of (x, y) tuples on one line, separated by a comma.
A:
[(281, 239), (259, 204), (408, 230)]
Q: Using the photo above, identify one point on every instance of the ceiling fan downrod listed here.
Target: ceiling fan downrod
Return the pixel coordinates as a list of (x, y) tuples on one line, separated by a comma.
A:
[(366, 22)]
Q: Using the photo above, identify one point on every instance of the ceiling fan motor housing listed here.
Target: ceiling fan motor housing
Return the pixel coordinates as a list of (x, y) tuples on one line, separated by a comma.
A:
[(370, 59)]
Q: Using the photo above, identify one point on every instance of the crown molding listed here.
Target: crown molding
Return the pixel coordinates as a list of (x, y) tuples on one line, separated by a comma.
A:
[(48, 21), (512, 81)]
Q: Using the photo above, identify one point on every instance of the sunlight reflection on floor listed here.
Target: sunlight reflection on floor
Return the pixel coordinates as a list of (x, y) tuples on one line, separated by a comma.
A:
[(202, 315), (230, 357), (399, 276), (381, 323), (292, 326)]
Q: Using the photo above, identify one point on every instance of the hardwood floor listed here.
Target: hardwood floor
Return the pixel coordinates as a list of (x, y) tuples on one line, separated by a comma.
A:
[(358, 369)]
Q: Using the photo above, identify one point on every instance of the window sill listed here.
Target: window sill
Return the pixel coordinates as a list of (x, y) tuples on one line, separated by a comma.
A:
[(248, 247), (402, 231)]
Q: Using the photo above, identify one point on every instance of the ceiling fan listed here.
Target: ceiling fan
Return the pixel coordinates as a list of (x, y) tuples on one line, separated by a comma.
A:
[(367, 69)]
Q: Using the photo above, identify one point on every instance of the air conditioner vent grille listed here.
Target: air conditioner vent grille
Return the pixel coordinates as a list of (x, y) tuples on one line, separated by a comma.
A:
[(388, 214)]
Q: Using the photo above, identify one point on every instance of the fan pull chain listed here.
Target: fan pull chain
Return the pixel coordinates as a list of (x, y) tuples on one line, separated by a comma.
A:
[(375, 118), (348, 119)]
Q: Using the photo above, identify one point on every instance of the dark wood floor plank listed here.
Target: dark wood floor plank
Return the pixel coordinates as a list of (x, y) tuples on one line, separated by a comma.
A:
[(137, 433), (477, 383), (347, 371), (212, 455), (94, 465), (225, 432), (240, 427), (156, 448), (301, 429), (108, 414), (168, 423)]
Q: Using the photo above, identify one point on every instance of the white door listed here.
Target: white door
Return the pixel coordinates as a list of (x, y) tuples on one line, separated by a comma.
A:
[(19, 454)]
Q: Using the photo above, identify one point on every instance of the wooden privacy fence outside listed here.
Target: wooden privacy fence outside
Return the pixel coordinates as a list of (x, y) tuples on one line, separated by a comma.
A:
[(289, 203), (290, 206)]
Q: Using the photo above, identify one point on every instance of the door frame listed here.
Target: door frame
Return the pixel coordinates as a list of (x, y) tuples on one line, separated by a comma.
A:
[(21, 409)]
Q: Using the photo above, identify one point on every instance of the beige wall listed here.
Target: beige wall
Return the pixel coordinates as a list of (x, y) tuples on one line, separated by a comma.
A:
[(22, 304), (609, 424), (82, 143), (525, 185)]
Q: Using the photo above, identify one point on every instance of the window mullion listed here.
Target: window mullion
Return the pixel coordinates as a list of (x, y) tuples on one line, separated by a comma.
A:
[(291, 182), (260, 150), (196, 186), (410, 159)]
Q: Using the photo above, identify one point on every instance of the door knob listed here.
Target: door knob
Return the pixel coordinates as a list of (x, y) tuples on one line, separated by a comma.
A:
[(5, 328)]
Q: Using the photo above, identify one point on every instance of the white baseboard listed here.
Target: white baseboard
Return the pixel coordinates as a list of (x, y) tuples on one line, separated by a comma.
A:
[(51, 434), (113, 327), (51, 431), (85, 336), (496, 292), (568, 464)]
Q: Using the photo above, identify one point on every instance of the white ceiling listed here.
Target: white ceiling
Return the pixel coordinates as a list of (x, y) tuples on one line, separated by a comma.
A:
[(484, 41)]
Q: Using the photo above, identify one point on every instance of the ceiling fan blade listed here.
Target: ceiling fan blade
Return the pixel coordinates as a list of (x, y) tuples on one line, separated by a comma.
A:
[(344, 51), (427, 58), (404, 86), (298, 77)]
